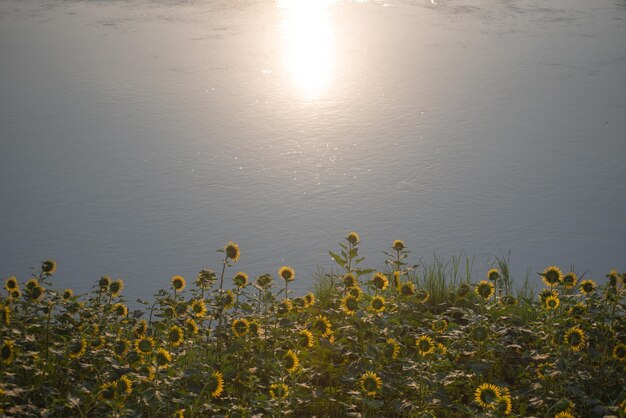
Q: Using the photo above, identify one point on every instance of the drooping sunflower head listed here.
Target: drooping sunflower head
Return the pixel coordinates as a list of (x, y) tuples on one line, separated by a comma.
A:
[(120, 309), (422, 296), (191, 326), (407, 289), (49, 267), (322, 325), (355, 292), (487, 395), (305, 338), (254, 328), (241, 279), (349, 305), (104, 282), (116, 287), (425, 345), (619, 352), (378, 304), (67, 294), (175, 335), (264, 281), (349, 280), (198, 308), (551, 303), (279, 391), (124, 385), (205, 278), (144, 344), (587, 287), (493, 275), (309, 300), (484, 289), (178, 283), (380, 281), (570, 280), (552, 276), (216, 384), (287, 273), (77, 349), (371, 384), (240, 327), (232, 251), (7, 351), (391, 349), (163, 357), (228, 300), (11, 284), (398, 245), (284, 306), (291, 361), (575, 338), (141, 328), (353, 238)]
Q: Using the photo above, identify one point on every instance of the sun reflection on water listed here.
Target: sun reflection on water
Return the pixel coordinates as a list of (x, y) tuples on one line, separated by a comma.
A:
[(308, 40)]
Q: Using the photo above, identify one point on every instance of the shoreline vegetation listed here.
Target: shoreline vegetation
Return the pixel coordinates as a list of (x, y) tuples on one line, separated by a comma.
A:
[(406, 340)]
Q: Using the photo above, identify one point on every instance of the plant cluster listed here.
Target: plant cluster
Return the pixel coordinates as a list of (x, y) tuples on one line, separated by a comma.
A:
[(409, 340)]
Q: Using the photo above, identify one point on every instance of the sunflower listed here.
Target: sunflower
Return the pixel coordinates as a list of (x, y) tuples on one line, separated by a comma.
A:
[(508, 300), (120, 309), (570, 280), (619, 352), (552, 276), (353, 238), (484, 289), (120, 348), (264, 281), (349, 305), (5, 314), (35, 292), (370, 383), (305, 338), (380, 281), (287, 273), (191, 326), (422, 296), (285, 306), (552, 303), (116, 287), (463, 290), (141, 328), (613, 277), (228, 300), (107, 391), (493, 275), (163, 358), (425, 345), (322, 324), (104, 282), (216, 384), (7, 351), (205, 278), (124, 385), (240, 327), (253, 328), (291, 361), (439, 325), (179, 414), (78, 349), (504, 404), (178, 283), (544, 370), (398, 245), (49, 267), (144, 344), (232, 251), (355, 292), (198, 307), (407, 289), (391, 349), (278, 391), (175, 335), (546, 293), (441, 349), (309, 300), (349, 280), (97, 342), (564, 414), (587, 286), (67, 294), (181, 309), (11, 284), (487, 395), (378, 304), (396, 279), (575, 338), (241, 279)]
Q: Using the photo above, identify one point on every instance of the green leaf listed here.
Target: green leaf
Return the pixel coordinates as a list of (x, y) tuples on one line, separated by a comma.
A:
[(337, 259)]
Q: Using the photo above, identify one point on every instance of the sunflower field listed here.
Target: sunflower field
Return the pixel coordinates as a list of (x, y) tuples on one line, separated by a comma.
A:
[(407, 340)]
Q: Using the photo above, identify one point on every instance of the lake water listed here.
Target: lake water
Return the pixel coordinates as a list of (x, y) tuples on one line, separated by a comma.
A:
[(137, 137)]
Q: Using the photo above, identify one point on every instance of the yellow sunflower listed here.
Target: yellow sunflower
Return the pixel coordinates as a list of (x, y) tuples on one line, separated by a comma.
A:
[(353, 238), (422, 296), (5, 314), (546, 293), (278, 391), (141, 328), (124, 385), (398, 245), (191, 326), (552, 276), (564, 414), (349, 280), (371, 384), (305, 339), (49, 267), (487, 395), (378, 304), (439, 325), (391, 349), (575, 338), (11, 284), (232, 251), (198, 307), (77, 349), (493, 275), (552, 303), (587, 287), (7, 351), (67, 294), (544, 370), (425, 345), (291, 361), (144, 344), (228, 300), (287, 273), (216, 384), (241, 279), (104, 282), (355, 292), (484, 289), (570, 280), (619, 352), (285, 306), (349, 305), (120, 348), (178, 283), (163, 358), (380, 281), (309, 300), (240, 327), (107, 391), (120, 309), (116, 287), (407, 289), (175, 335), (322, 325), (504, 404)]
